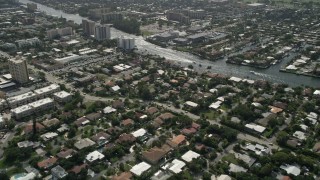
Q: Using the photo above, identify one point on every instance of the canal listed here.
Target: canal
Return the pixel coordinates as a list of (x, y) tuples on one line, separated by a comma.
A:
[(184, 59)]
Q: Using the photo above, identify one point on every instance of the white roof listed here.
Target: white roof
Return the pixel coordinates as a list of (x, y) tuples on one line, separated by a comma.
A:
[(82, 143), (121, 67), (62, 94), (70, 57), (62, 128), (21, 97), (21, 109), (255, 127), (139, 132), (115, 88), (244, 157), (95, 155), (49, 135), (221, 177), (7, 76), (236, 168), (220, 98), (32, 105), (192, 104), (138, 169), (316, 92), (235, 79), (248, 81), (291, 169), (304, 127), (175, 166), (300, 135), (160, 72), (56, 49), (41, 102), (108, 50), (108, 110), (73, 42), (143, 116), (28, 176), (47, 89), (188, 156), (85, 122), (213, 90), (258, 149), (291, 67), (256, 104), (87, 51), (84, 49), (313, 115), (215, 105)]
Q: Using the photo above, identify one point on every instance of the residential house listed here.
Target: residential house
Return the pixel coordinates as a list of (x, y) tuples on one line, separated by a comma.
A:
[(47, 163), (51, 122), (177, 141), (140, 168), (152, 110), (78, 169), (118, 104), (58, 173), (189, 156), (316, 148), (101, 138), (155, 154), (291, 169), (122, 176), (83, 143), (29, 128), (93, 116), (66, 153), (127, 122), (126, 138), (176, 166), (93, 156), (81, 121)]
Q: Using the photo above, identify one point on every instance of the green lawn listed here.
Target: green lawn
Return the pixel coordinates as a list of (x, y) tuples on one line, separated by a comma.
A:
[(211, 114), (14, 171), (230, 158), (146, 33), (2, 164), (279, 1)]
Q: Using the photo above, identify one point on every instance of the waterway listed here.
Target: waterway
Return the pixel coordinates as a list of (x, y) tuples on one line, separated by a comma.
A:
[(271, 74)]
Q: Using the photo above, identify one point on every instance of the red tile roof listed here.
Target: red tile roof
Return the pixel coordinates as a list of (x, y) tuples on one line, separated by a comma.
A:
[(29, 128), (123, 176), (47, 162), (77, 169)]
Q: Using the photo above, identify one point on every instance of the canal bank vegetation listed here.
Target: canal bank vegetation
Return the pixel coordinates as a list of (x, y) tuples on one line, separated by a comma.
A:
[(308, 63), (130, 25)]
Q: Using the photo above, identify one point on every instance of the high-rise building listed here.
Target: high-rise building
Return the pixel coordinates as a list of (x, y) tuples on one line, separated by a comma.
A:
[(109, 17), (27, 43), (18, 70), (53, 33), (97, 13), (126, 43), (176, 16), (102, 32), (32, 6), (88, 27)]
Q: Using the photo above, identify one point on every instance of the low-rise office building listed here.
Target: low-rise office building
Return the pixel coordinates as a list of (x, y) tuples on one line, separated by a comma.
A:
[(48, 90), (34, 107), (21, 99), (62, 96)]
